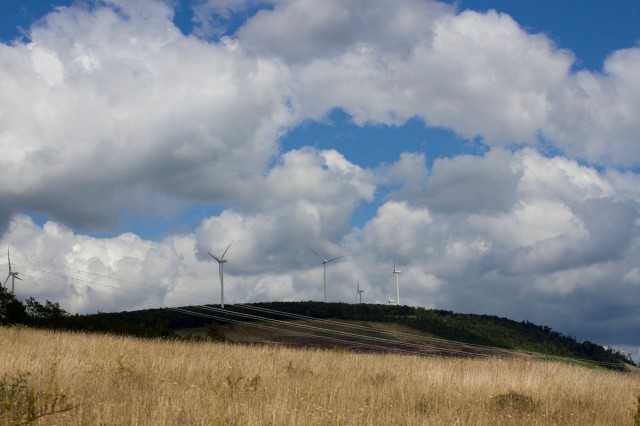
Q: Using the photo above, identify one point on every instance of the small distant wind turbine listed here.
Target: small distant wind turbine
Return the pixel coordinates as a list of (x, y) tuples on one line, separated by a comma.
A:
[(390, 300), (12, 275), (324, 265), (221, 261), (359, 291), (396, 276)]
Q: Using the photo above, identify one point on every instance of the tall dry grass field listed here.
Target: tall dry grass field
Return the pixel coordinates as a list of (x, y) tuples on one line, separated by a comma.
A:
[(111, 380)]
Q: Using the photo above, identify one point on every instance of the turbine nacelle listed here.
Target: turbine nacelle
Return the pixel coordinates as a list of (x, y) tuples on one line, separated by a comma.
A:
[(324, 266), (325, 261), (220, 259), (12, 274)]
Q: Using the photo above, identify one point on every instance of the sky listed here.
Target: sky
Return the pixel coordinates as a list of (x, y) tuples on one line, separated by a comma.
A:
[(489, 149)]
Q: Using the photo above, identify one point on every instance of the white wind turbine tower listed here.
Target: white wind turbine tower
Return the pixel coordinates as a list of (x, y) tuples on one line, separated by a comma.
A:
[(12, 275), (359, 291), (324, 266), (396, 276), (221, 261)]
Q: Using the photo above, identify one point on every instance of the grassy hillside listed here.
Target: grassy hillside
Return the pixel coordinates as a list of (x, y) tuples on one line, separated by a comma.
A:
[(473, 329), (482, 330), (102, 379)]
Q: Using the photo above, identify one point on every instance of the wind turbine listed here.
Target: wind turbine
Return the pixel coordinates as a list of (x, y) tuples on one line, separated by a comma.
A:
[(12, 275), (221, 261), (390, 300), (359, 291), (324, 265), (396, 276)]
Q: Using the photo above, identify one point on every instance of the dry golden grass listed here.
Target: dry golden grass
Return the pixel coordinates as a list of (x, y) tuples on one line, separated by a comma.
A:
[(125, 381)]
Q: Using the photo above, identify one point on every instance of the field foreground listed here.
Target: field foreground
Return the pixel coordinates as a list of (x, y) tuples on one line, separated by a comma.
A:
[(106, 380)]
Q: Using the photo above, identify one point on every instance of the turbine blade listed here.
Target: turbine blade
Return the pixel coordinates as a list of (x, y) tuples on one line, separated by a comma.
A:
[(217, 260), (18, 278), (5, 281), (323, 259), (335, 258), (8, 259), (225, 252)]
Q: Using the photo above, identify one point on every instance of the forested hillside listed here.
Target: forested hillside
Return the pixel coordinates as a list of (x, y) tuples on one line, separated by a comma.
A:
[(468, 328)]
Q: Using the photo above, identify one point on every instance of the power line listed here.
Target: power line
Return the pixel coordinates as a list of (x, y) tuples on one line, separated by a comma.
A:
[(421, 337), (370, 329), (71, 284), (406, 347), (94, 274), (370, 342), (320, 337), (89, 283), (334, 331)]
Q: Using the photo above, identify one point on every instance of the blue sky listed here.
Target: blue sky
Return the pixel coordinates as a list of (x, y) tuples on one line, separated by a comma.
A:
[(488, 147), (591, 29)]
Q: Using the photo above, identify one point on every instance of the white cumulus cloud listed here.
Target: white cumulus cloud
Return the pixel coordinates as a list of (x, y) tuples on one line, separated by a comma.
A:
[(109, 110)]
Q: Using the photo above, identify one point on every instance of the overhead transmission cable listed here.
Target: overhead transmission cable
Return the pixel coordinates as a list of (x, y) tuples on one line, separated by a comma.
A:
[(413, 348), (334, 331), (365, 328), (89, 283), (421, 337), (378, 347)]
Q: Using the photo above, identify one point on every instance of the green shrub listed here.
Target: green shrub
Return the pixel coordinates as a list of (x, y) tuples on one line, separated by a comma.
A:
[(514, 402), (215, 334)]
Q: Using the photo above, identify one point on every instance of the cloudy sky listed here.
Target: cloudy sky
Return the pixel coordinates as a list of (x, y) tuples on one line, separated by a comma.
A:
[(489, 148)]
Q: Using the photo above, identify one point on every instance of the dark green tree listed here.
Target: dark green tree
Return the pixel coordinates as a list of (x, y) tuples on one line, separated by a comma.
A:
[(48, 315), (11, 310)]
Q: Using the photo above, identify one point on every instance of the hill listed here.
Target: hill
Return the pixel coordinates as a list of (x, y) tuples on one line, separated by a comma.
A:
[(362, 327), (479, 331)]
